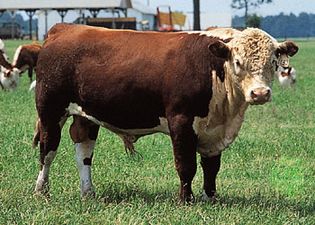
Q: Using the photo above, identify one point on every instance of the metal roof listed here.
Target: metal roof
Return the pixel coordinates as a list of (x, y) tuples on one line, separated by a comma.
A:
[(63, 4)]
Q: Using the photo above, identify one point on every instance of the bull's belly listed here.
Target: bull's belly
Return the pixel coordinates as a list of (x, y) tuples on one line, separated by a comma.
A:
[(75, 109), (212, 140)]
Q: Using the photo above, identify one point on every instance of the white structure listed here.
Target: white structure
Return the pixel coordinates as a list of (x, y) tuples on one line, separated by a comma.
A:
[(138, 11), (142, 13), (62, 4), (47, 11)]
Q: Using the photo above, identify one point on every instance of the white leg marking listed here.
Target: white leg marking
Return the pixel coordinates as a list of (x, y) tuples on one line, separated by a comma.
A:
[(42, 179), (84, 151)]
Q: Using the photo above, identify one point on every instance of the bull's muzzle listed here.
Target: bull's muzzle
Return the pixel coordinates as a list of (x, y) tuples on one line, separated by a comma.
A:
[(260, 95)]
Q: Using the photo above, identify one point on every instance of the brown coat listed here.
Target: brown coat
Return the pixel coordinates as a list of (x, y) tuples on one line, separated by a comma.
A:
[(126, 81), (137, 83)]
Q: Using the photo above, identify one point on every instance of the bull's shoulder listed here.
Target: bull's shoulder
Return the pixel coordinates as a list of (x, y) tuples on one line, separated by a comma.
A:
[(59, 27), (61, 30)]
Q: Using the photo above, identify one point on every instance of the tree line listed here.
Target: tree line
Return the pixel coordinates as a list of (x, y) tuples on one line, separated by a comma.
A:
[(281, 26)]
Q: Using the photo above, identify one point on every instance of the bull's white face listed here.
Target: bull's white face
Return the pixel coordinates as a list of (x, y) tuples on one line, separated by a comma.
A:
[(253, 60), (252, 56), (253, 71), (9, 78)]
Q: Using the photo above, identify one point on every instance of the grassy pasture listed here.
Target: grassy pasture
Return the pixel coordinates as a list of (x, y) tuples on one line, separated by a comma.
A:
[(266, 177)]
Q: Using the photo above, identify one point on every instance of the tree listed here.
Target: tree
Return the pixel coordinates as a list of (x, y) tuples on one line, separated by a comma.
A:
[(253, 21), (246, 4), (196, 14)]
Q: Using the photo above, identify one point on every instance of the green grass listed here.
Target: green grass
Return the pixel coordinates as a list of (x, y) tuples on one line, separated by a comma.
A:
[(267, 175)]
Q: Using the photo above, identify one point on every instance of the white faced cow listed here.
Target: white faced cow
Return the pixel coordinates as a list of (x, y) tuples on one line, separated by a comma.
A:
[(285, 73), (194, 87)]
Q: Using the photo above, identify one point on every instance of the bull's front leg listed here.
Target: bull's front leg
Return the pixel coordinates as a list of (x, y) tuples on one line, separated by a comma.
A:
[(84, 154), (211, 167), (184, 142)]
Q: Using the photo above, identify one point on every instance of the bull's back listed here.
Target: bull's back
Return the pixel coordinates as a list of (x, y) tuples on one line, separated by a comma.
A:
[(116, 75)]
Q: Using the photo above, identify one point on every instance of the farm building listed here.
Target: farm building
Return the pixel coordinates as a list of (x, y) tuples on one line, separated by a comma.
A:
[(131, 14), (50, 12)]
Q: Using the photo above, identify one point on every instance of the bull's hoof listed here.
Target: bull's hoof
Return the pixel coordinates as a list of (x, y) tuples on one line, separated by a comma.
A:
[(88, 194), (42, 188), (187, 199), (42, 192), (212, 199)]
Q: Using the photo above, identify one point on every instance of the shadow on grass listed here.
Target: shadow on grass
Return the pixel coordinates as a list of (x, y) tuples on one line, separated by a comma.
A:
[(121, 193), (268, 202), (118, 193)]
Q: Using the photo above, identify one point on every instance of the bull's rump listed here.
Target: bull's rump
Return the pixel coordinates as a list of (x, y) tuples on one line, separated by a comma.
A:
[(125, 78)]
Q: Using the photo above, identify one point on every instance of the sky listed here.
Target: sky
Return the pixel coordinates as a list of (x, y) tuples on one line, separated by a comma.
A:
[(219, 12), (223, 6)]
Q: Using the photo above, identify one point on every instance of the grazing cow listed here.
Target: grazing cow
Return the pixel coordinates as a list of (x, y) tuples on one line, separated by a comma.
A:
[(285, 73), (25, 58), (138, 83), (9, 77)]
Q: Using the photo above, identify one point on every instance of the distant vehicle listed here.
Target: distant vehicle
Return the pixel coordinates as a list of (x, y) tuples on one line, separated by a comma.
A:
[(10, 30)]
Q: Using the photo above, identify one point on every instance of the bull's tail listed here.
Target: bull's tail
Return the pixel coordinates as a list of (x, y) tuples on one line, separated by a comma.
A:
[(36, 133)]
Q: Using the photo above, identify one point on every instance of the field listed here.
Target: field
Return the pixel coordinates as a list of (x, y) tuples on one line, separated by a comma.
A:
[(267, 174)]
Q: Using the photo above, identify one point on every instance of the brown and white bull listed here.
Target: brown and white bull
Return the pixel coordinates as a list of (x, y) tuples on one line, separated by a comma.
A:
[(139, 83)]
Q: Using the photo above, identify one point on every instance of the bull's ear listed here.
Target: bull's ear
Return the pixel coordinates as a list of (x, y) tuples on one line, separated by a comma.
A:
[(220, 49), (287, 47)]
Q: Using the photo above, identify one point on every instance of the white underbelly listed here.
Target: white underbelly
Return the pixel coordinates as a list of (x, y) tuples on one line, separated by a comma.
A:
[(211, 140), (75, 109)]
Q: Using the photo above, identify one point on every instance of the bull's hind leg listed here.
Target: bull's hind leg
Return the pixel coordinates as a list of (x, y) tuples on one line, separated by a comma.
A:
[(84, 134), (211, 167), (49, 135), (184, 145)]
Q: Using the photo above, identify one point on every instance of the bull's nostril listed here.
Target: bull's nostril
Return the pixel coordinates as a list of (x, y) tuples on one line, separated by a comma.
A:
[(252, 94), (268, 93)]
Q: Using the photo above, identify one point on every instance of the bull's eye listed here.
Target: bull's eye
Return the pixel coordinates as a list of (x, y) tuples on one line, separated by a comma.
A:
[(237, 66), (237, 63)]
